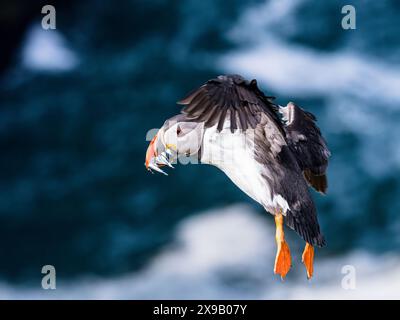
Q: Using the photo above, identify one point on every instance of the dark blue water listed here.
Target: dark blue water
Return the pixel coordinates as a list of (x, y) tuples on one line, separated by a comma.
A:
[(73, 189)]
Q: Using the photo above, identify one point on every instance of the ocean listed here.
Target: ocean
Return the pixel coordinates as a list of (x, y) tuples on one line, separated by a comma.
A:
[(77, 103)]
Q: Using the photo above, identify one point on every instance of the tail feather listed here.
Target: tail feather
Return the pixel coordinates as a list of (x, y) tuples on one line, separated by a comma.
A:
[(310, 232)]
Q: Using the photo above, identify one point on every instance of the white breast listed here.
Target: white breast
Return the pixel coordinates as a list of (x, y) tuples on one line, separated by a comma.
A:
[(233, 153)]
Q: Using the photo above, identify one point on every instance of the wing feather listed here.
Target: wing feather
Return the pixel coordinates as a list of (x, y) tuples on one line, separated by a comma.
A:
[(252, 118), (196, 107), (233, 123), (307, 144), (245, 102), (221, 120), (189, 97)]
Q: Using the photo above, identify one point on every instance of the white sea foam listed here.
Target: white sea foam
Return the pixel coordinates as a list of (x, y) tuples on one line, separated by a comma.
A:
[(303, 71), (46, 50), (228, 254), (361, 93)]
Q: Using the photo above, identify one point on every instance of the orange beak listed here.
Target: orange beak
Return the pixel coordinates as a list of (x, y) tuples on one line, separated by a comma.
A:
[(151, 152), (154, 161)]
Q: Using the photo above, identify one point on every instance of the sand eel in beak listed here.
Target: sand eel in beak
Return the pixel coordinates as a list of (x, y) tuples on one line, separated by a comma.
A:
[(154, 161), (271, 153)]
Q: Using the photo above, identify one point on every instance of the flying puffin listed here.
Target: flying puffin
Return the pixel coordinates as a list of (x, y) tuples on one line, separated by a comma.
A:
[(272, 153)]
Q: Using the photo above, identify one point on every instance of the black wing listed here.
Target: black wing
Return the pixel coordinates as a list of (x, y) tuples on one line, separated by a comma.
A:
[(229, 96), (306, 142), (285, 178)]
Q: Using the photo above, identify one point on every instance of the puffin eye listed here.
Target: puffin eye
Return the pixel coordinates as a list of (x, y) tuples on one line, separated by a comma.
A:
[(178, 130)]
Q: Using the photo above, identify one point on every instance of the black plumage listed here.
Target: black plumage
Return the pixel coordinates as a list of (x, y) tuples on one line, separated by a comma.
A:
[(292, 153), (242, 98), (307, 144)]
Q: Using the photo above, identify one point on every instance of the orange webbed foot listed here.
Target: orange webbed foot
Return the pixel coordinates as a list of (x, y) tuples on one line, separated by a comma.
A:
[(283, 260), (308, 259)]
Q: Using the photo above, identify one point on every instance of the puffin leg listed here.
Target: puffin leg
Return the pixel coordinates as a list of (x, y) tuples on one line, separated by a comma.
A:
[(282, 259), (308, 259)]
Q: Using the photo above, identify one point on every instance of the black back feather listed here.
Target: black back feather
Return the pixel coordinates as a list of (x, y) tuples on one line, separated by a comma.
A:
[(305, 140)]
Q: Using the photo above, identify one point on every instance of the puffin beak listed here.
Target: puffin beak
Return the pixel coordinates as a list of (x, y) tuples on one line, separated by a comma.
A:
[(154, 161)]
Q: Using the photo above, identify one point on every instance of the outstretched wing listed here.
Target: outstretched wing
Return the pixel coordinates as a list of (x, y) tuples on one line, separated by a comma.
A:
[(306, 142), (229, 97)]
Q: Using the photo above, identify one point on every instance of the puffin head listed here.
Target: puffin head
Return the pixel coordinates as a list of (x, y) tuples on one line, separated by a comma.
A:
[(178, 137)]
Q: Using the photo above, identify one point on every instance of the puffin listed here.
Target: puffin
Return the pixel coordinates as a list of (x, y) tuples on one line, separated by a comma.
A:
[(274, 154)]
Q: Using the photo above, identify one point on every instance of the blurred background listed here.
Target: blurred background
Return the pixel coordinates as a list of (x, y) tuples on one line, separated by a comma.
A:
[(76, 104)]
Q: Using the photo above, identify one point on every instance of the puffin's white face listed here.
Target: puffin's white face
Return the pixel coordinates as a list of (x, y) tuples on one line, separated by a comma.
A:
[(184, 138), (174, 139)]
